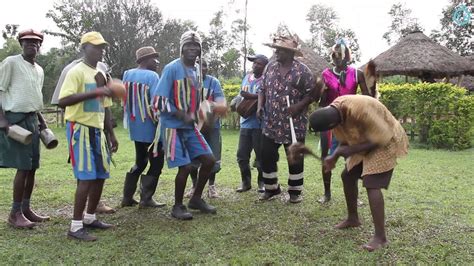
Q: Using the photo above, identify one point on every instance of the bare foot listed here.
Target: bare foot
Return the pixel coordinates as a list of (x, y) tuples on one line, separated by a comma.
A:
[(324, 199), (375, 243), (347, 224)]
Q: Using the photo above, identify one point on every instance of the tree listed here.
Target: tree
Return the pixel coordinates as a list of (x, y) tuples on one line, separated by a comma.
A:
[(325, 31), (168, 45), (10, 31), (455, 36), (125, 24), (215, 43), (10, 47), (402, 23)]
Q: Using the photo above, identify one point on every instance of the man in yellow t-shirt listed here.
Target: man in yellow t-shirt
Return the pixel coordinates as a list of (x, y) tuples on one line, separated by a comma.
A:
[(87, 101)]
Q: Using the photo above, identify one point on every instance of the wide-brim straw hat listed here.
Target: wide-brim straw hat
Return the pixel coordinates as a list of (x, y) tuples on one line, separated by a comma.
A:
[(145, 52), (287, 43)]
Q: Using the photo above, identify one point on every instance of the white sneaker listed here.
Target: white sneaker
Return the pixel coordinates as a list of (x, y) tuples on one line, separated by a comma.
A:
[(190, 193), (212, 192)]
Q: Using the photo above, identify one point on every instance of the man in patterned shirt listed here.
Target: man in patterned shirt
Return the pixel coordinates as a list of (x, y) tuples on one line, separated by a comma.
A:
[(285, 78)]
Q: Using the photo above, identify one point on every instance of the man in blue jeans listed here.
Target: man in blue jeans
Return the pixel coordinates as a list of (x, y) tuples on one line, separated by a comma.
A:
[(250, 127)]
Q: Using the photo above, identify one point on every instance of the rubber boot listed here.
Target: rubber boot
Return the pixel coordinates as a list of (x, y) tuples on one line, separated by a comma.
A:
[(129, 188), (148, 188), (245, 175)]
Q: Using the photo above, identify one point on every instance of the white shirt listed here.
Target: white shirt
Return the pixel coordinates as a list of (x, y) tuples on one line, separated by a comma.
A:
[(20, 85)]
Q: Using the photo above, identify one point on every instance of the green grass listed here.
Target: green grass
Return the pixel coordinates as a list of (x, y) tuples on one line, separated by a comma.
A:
[(428, 208)]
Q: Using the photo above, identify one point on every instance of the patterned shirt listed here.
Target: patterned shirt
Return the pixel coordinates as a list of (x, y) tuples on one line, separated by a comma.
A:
[(297, 83), (366, 119)]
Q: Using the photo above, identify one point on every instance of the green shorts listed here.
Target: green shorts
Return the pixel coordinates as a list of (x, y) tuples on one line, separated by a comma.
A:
[(17, 155)]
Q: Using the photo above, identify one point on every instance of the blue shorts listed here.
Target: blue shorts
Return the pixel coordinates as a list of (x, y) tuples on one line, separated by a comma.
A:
[(214, 139), (88, 152), (181, 145)]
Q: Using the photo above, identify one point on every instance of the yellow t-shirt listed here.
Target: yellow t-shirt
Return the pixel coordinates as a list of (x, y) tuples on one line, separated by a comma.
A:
[(90, 112)]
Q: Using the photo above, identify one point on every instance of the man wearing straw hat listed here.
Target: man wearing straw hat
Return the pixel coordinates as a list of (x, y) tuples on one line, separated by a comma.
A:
[(87, 108), (288, 88), (21, 82), (179, 99), (141, 84)]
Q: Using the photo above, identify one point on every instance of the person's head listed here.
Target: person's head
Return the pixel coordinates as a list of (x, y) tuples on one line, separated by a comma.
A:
[(204, 68), (93, 45), (259, 62), (190, 46), (286, 48), (30, 40), (340, 54), (324, 119), (147, 58)]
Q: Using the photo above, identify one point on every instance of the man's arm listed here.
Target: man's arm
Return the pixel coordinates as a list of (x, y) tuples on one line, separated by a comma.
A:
[(346, 151), (109, 131), (313, 95), (362, 83), (3, 120)]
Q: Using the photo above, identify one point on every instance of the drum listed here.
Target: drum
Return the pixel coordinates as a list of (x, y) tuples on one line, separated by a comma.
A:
[(20, 134), (48, 138)]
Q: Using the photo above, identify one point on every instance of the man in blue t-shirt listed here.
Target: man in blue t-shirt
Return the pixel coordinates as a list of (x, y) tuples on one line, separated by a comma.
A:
[(141, 84), (211, 91), (179, 98), (250, 127)]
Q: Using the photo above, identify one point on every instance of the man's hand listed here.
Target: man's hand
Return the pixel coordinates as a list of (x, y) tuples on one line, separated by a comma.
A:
[(259, 113), (113, 143), (295, 109), (185, 117), (329, 163), (104, 92), (3, 123)]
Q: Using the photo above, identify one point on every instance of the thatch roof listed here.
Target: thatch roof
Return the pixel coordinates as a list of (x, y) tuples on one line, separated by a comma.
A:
[(468, 80), (417, 55)]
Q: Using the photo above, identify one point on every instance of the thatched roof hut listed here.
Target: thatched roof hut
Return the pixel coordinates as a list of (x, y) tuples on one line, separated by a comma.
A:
[(417, 55)]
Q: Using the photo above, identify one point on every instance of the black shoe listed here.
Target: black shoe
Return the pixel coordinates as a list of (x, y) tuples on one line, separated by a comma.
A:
[(181, 213), (81, 234), (295, 198), (243, 188), (269, 195), (96, 224), (200, 204), (128, 202), (261, 187), (151, 203)]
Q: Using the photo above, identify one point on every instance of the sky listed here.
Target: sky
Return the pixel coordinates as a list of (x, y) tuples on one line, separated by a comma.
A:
[(368, 18)]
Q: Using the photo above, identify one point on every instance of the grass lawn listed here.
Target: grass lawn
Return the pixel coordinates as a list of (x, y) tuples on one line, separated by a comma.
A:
[(428, 208)]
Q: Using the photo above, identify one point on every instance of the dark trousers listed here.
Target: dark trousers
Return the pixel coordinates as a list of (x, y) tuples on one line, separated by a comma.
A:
[(249, 139), (270, 158), (143, 155)]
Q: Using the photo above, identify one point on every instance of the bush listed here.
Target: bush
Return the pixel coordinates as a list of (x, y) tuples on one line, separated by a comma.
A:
[(440, 114)]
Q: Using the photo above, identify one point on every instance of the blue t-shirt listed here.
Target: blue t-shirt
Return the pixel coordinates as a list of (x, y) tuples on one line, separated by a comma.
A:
[(178, 90), (142, 86), (252, 85), (212, 91)]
